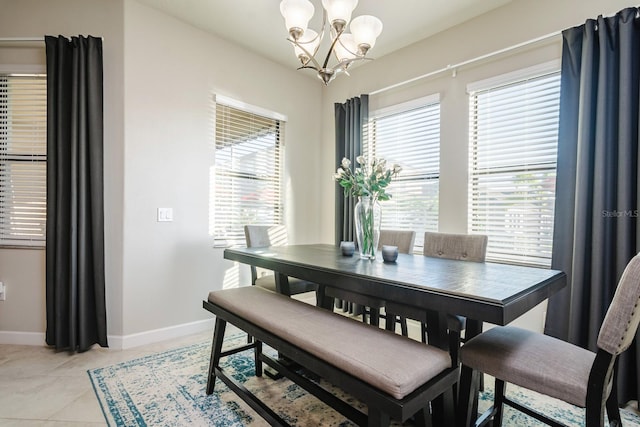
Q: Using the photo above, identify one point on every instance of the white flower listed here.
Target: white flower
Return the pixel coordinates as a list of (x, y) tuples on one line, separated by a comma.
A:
[(346, 163), (361, 160)]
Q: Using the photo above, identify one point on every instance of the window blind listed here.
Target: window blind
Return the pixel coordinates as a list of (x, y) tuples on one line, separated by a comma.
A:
[(514, 137), (410, 138), (23, 160), (247, 177)]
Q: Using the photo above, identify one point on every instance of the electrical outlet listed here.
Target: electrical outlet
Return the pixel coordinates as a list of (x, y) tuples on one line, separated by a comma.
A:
[(3, 292)]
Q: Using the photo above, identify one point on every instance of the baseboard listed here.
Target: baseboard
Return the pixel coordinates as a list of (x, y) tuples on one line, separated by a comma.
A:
[(123, 342), (22, 338), (117, 342)]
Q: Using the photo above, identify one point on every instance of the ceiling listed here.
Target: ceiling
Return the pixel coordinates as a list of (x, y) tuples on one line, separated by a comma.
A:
[(258, 26)]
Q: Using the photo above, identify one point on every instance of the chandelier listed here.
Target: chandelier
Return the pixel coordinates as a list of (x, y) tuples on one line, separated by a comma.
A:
[(346, 47)]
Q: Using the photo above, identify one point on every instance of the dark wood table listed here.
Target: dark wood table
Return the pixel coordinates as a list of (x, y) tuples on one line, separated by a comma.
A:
[(482, 292)]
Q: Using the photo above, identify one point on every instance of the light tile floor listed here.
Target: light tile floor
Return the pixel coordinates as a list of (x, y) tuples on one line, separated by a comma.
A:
[(39, 387), (42, 388)]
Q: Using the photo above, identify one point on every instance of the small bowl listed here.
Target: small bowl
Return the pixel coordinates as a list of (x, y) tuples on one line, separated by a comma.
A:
[(347, 248), (389, 253)]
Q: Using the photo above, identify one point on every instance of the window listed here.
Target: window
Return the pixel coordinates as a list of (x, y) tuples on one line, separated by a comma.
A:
[(247, 171), (409, 135), (513, 147), (23, 159)]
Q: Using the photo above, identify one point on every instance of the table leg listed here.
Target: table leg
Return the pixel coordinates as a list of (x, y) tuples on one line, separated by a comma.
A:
[(282, 283), (442, 408), (322, 300)]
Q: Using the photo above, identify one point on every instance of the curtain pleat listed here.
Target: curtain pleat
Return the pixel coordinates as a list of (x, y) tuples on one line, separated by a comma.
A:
[(350, 118), (75, 280), (596, 229)]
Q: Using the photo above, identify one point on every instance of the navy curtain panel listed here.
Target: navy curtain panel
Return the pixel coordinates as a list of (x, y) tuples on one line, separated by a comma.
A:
[(350, 118), (596, 229), (75, 282)]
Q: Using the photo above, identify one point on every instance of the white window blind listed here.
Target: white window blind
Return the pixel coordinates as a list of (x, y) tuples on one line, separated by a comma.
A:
[(411, 138), (247, 177), (23, 159), (514, 137)]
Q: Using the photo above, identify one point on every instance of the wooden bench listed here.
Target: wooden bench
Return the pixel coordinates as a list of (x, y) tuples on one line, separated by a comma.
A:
[(396, 377)]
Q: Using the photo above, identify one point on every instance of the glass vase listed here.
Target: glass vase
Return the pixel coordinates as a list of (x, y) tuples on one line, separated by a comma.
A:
[(368, 215)]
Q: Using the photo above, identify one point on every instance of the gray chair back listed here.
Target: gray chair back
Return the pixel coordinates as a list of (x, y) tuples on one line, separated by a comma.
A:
[(621, 321), (403, 239), (465, 247), (260, 236)]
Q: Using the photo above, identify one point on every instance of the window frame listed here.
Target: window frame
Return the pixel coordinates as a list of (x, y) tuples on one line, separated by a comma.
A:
[(235, 237), (371, 149), (540, 171)]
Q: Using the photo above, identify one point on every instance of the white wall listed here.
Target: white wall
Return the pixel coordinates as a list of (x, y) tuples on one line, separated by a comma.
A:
[(159, 76), (517, 22), (171, 72)]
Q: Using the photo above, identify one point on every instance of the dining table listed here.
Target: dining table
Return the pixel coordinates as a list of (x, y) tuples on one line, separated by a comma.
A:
[(483, 292)]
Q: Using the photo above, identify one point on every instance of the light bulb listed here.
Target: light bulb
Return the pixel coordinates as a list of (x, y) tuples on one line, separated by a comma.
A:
[(297, 14), (346, 48), (339, 12), (365, 30)]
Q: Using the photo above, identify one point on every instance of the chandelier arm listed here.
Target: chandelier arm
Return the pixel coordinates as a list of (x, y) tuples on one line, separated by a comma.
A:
[(309, 55), (333, 44)]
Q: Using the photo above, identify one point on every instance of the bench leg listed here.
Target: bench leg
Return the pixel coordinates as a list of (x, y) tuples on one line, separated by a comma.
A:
[(423, 418), (376, 418), (257, 351), (216, 349)]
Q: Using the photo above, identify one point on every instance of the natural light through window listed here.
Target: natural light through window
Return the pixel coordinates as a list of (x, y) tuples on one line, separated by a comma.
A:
[(247, 174), (409, 135), (513, 147), (23, 159)]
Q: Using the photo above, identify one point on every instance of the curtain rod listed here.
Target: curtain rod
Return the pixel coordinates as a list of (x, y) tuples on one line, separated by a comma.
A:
[(476, 59), (26, 39), (454, 67)]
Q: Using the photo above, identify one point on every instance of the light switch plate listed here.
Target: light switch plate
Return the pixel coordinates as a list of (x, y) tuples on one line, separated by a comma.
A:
[(165, 214)]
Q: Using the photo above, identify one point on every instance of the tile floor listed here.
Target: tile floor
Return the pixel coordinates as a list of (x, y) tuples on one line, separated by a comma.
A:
[(39, 387)]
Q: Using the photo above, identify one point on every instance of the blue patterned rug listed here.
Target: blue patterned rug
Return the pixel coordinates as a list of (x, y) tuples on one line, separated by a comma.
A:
[(168, 389)]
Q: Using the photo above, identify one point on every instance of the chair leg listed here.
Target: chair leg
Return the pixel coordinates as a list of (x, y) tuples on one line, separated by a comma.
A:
[(216, 349), (374, 316), (390, 321), (498, 402), (467, 396), (613, 411), (403, 327)]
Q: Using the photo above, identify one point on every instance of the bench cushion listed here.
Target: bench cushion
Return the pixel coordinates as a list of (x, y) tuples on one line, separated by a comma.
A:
[(392, 363)]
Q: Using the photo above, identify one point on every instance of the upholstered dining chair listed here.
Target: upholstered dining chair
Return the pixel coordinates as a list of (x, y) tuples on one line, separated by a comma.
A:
[(554, 367), (464, 247), (258, 236), (370, 307)]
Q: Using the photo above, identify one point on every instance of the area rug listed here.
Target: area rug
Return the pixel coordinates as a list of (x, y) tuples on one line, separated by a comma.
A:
[(168, 389)]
